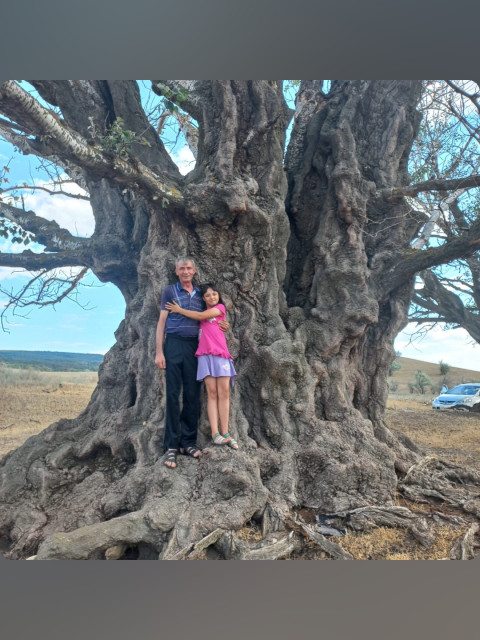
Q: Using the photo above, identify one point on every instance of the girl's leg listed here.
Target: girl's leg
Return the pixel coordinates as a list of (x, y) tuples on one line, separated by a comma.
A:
[(223, 392), (212, 403)]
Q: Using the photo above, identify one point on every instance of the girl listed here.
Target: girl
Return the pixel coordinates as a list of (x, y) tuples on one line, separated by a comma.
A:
[(215, 364)]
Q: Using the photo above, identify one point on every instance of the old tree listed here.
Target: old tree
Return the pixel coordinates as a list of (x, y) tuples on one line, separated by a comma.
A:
[(313, 252)]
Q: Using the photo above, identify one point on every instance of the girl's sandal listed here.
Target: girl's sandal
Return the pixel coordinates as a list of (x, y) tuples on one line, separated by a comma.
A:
[(233, 444), (218, 440)]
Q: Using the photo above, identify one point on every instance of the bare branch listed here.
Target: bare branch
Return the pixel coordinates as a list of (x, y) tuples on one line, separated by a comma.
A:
[(47, 232), (64, 141), (430, 185), (189, 131), (76, 196), (41, 291), (414, 261), (36, 261), (437, 298)]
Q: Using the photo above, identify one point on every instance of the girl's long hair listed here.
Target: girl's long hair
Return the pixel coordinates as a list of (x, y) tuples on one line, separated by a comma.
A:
[(210, 285)]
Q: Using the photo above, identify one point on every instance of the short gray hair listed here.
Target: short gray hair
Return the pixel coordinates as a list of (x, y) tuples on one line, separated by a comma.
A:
[(184, 260)]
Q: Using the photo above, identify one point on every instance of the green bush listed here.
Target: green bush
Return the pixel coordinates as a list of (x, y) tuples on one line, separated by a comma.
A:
[(444, 368), (421, 384)]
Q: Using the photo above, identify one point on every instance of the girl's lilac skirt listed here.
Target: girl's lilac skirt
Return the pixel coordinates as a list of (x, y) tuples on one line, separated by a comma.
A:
[(215, 366)]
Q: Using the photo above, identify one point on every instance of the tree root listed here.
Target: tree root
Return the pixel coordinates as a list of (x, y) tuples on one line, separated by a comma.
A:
[(332, 548), (366, 518), (273, 547), (463, 549), (193, 551), (90, 541), (175, 528), (444, 481)]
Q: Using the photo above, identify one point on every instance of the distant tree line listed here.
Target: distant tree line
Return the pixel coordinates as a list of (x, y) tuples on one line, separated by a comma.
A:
[(51, 360)]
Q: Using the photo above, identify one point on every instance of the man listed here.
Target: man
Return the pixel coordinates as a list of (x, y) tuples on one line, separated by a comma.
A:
[(177, 357)]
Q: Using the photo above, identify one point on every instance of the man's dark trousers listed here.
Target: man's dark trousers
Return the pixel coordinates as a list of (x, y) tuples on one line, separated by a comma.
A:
[(181, 371)]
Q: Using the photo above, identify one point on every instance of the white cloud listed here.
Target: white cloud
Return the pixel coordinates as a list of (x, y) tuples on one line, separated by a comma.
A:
[(74, 215), (455, 347), (6, 273), (184, 159)]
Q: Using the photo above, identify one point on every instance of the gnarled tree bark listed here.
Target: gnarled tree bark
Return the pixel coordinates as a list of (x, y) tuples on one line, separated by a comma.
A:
[(314, 263)]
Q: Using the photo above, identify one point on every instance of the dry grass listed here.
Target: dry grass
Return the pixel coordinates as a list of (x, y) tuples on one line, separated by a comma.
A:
[(251, 532), (450, 434), (406, 374), (32, 400), (399, 544)]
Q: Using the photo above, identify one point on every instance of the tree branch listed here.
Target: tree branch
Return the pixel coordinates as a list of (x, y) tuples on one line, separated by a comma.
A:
[(437, 298), (43, 261), (46, 232), (187, 94), (430, 185), (33, 187), (65, 142), (414, 261)]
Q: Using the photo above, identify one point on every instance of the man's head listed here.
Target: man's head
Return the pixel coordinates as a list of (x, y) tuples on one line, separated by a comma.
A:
[(185, 269)]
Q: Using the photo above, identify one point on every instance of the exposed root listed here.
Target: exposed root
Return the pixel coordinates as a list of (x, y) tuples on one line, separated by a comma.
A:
[(116, 552), (273, 547), (444, 481), (332, 548), (193, 551), (365, 518), (90, 541), (463, 549)]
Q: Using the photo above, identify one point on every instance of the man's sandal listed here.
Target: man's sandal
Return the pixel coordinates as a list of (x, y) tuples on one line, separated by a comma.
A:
[(233, 444), (191, 451), (218, 440), (170, 456)]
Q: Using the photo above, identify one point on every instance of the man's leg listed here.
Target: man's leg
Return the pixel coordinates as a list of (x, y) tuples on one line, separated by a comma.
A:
[(173, 379), (191, 396)]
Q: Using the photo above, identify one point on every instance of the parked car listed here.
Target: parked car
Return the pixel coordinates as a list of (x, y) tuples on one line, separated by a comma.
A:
[(463, 397)]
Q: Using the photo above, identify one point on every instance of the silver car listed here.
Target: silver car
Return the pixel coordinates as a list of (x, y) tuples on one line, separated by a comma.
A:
[(463, 397)]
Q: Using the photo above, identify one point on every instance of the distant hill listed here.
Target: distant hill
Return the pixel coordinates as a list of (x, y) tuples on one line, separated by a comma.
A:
[(406, 374), (51, 360)]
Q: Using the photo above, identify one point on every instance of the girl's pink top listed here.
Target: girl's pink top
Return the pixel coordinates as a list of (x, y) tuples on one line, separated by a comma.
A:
[(212, 339)]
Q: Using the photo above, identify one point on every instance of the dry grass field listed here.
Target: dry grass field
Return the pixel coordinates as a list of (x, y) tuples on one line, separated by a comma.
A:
[(406, 374), (32, 400), (451, 434)]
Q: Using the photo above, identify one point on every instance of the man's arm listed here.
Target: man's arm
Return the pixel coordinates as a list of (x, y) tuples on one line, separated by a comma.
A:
[(159, 357)]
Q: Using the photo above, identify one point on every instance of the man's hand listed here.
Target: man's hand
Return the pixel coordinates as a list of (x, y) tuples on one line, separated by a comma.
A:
[(160, 361), (224, 325)]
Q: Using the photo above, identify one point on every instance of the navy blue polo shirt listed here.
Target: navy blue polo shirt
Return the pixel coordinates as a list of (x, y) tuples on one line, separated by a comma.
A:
[(176, 323)]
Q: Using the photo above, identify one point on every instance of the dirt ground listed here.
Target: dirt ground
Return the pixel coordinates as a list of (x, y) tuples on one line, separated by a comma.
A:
[(28, 409), (452, 435)]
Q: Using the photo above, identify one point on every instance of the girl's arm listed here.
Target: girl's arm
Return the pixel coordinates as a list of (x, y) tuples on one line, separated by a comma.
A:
[(194, 315)]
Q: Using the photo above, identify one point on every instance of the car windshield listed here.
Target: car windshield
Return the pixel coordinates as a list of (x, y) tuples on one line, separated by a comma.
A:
[(464, 390)]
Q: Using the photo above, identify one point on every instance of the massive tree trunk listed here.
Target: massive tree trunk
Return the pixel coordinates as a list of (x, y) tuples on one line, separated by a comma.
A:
[(312, 257)]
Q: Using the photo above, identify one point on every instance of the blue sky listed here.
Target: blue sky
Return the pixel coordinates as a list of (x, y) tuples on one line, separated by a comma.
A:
[(69, 327), (87, 327)]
